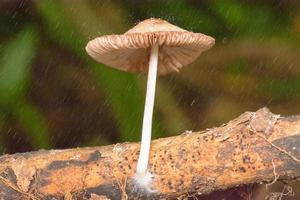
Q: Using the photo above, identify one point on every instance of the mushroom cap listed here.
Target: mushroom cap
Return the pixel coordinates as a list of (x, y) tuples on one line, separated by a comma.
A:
[(131, 50)]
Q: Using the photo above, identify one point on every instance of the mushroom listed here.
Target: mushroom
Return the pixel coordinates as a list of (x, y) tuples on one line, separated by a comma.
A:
[(154, 46)]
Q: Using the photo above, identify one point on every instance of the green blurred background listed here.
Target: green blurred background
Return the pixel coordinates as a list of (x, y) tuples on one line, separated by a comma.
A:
[(52, 95)]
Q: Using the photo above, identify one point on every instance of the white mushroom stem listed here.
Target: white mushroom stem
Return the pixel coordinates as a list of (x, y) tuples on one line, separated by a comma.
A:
[(142, 164)]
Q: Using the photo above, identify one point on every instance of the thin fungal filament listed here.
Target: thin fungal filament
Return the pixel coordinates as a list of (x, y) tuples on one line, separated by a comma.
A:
[(143, 177)]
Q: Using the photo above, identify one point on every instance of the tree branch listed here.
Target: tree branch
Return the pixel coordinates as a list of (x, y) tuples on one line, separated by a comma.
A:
[(256, 147)]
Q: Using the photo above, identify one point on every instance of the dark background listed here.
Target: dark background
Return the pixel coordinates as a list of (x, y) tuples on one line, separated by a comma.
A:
[(52, 95)]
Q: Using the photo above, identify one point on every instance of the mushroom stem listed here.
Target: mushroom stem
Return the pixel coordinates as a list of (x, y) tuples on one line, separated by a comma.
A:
[(142, 164)]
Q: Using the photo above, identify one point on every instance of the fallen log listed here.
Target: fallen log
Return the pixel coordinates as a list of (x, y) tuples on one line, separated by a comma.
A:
[(256, 147)]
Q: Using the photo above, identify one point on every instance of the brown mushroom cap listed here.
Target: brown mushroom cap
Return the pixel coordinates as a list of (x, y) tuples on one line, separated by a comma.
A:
[(131, 51)]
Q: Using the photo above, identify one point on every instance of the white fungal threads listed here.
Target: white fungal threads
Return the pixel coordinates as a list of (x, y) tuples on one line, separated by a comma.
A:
[(143, 177)]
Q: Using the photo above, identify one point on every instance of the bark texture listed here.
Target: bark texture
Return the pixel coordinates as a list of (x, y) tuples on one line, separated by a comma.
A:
[(256, 147)]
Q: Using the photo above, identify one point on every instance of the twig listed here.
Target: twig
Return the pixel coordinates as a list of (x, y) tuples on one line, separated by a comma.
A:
[(276, 176), (279, 195), (277, 147), (186, 165), (12, 186), (122, 185)]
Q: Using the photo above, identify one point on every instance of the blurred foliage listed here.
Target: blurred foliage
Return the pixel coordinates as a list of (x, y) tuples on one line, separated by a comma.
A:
[(53, 95), (15, 73), (120, 88)]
